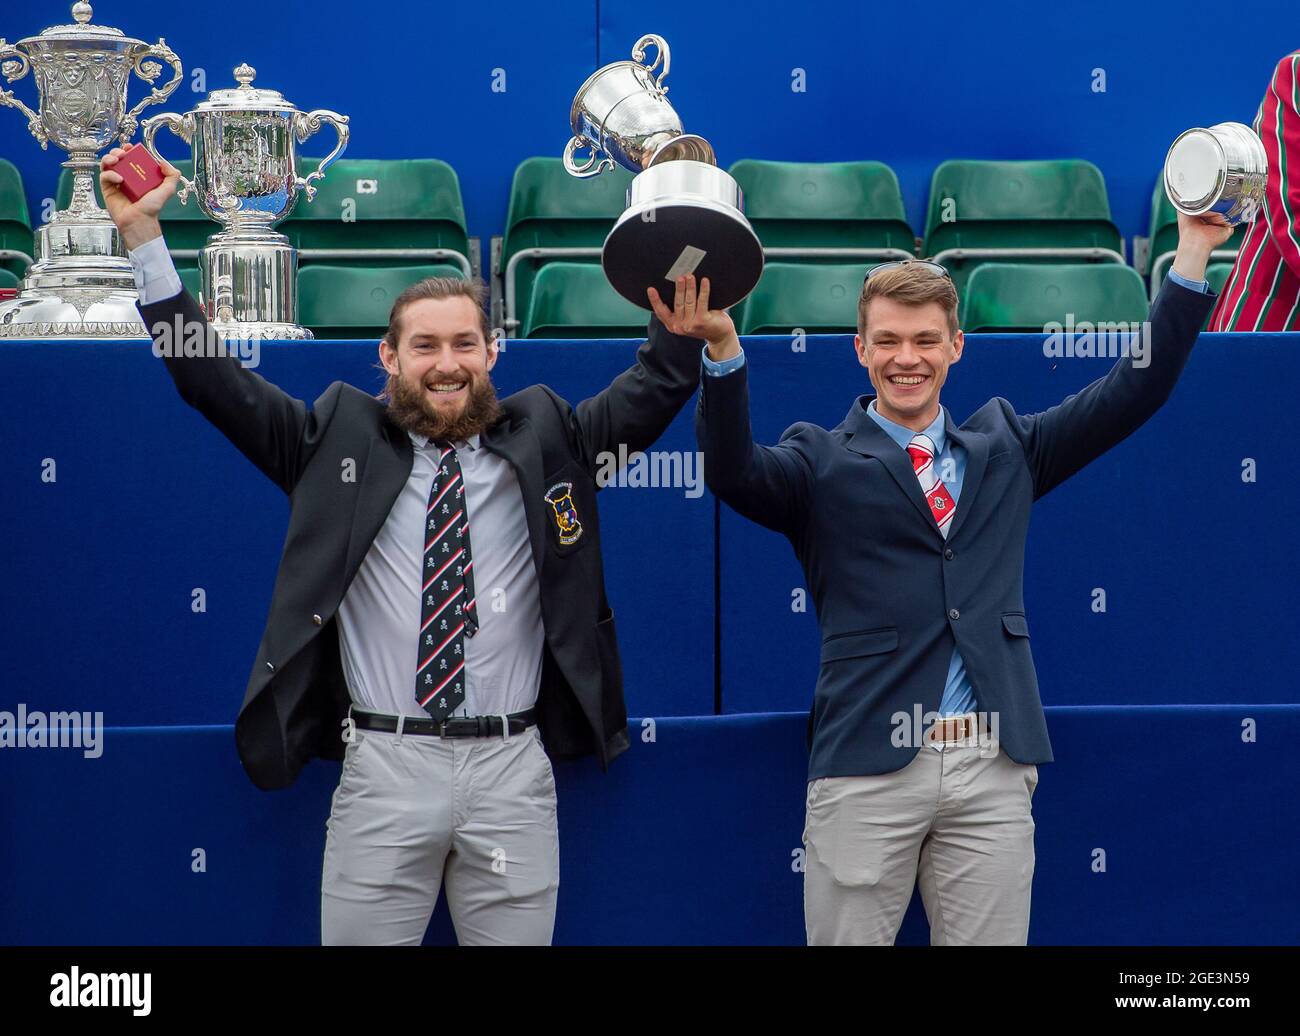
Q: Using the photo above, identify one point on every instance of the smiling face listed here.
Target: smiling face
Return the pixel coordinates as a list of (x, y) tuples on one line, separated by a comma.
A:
[(907, 350), (438, 372)]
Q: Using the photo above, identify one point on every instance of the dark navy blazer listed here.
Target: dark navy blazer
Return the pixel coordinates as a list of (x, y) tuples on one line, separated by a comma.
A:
[(892, 595)]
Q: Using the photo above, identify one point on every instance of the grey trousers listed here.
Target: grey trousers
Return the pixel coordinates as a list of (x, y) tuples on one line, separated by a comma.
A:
[(415, 812), (957, 818)]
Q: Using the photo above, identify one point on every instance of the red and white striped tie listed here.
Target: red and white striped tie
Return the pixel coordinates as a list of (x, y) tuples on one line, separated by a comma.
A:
[(942, 506)]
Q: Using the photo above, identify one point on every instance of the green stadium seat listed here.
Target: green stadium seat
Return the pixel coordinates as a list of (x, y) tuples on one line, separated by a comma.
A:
[(847, 205), (1015, 207), (380, 205), (818, 299), (15, 223), (184, 227), (1164, 237), (1014, 297), (574, 300), (550, 209), (355, 302), (8, 279)]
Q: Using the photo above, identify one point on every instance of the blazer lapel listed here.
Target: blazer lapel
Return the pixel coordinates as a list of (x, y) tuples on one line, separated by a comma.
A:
[(977, 459), (871, 440), (517, 443), (383, 474)]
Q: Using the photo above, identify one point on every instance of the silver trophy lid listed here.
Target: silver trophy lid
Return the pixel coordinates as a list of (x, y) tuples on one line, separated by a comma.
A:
[(82, 30), (245, 96), (1195, 170)]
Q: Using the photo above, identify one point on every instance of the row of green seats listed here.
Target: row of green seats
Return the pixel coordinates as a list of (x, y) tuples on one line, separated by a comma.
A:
[(573, 300), (832, 213), (379, 212)]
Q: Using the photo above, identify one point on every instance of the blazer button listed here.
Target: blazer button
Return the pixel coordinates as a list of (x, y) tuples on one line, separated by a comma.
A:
[(315, 620), (270, 666), (954, 614), (948, 554)]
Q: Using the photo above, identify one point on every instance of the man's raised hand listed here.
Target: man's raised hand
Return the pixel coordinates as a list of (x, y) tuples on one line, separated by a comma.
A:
[(692, 318), (136, 220)]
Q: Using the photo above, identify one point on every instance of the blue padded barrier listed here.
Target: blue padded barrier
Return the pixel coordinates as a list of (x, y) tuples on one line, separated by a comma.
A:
[(691, 838)]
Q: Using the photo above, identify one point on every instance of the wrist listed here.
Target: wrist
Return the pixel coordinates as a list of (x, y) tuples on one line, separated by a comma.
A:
[(725, 348), (141, 233), (1191, 261)]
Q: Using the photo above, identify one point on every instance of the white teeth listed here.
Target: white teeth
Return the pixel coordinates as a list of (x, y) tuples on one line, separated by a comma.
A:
[(447, 388), (913, 380)]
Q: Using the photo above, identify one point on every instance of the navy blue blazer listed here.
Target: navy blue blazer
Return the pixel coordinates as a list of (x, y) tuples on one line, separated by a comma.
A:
[(892, 595)]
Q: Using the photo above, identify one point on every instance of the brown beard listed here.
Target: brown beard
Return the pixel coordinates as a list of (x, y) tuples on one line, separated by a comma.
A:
[(411, 410)]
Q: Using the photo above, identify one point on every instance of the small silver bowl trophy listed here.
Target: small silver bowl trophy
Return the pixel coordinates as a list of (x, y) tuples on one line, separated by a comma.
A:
[(1220, 169), (242, 141), (684, 214), (80, 285)]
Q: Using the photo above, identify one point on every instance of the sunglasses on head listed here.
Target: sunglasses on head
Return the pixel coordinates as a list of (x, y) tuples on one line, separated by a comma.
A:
[(924, 263)]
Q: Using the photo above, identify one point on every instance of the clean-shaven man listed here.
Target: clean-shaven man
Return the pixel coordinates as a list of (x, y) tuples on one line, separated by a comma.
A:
[(911, 532)]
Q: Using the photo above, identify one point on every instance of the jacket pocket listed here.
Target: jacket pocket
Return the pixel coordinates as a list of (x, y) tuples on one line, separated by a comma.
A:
[(863, 642), (1015, 624)]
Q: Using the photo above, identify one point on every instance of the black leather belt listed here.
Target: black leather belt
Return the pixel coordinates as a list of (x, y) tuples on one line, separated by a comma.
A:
[(455, 726)]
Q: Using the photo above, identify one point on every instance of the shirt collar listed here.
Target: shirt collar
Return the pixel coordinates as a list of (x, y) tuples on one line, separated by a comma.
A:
[(903, 435), (422, 441)]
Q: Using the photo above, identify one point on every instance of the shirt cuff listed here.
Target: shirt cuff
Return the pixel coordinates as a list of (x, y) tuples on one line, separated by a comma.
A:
[(717, 369), (155, 274), (1202, 286)]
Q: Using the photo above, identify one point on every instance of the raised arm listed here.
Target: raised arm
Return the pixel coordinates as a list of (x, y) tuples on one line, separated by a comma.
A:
[(770, 485), (638, 405), (270, 427), (1060, 441)]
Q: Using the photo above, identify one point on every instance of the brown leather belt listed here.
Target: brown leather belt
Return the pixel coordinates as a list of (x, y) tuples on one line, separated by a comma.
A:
[(956, 728)]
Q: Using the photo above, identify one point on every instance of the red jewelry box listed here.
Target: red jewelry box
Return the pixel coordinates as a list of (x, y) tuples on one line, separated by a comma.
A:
[(141, 173)]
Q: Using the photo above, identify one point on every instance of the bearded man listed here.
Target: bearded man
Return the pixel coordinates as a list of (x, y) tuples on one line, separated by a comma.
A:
[(439, 620)]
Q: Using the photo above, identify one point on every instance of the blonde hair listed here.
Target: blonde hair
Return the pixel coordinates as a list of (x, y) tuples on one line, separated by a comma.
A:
[(912, 285)]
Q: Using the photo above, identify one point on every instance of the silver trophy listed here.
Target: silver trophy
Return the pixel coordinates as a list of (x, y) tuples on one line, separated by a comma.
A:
[(683, 213), (80, 285), (246, 178), (1221, 169)]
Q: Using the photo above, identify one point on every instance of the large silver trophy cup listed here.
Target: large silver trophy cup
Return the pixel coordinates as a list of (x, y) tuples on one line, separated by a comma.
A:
[(683, 213), (80, 285), (1221, 169), (246, 178)]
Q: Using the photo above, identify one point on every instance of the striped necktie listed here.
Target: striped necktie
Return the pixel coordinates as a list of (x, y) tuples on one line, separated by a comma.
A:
[(942, 506), (447, 614)]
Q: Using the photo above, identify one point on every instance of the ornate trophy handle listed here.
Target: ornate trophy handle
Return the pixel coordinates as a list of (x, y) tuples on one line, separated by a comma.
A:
[(148, 71), (307, 123), (584, 171), (14, 65), (662, 55), (183, 127)]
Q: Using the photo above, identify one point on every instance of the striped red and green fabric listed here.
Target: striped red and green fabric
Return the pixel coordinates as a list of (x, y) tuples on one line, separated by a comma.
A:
[(1263, 291)]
